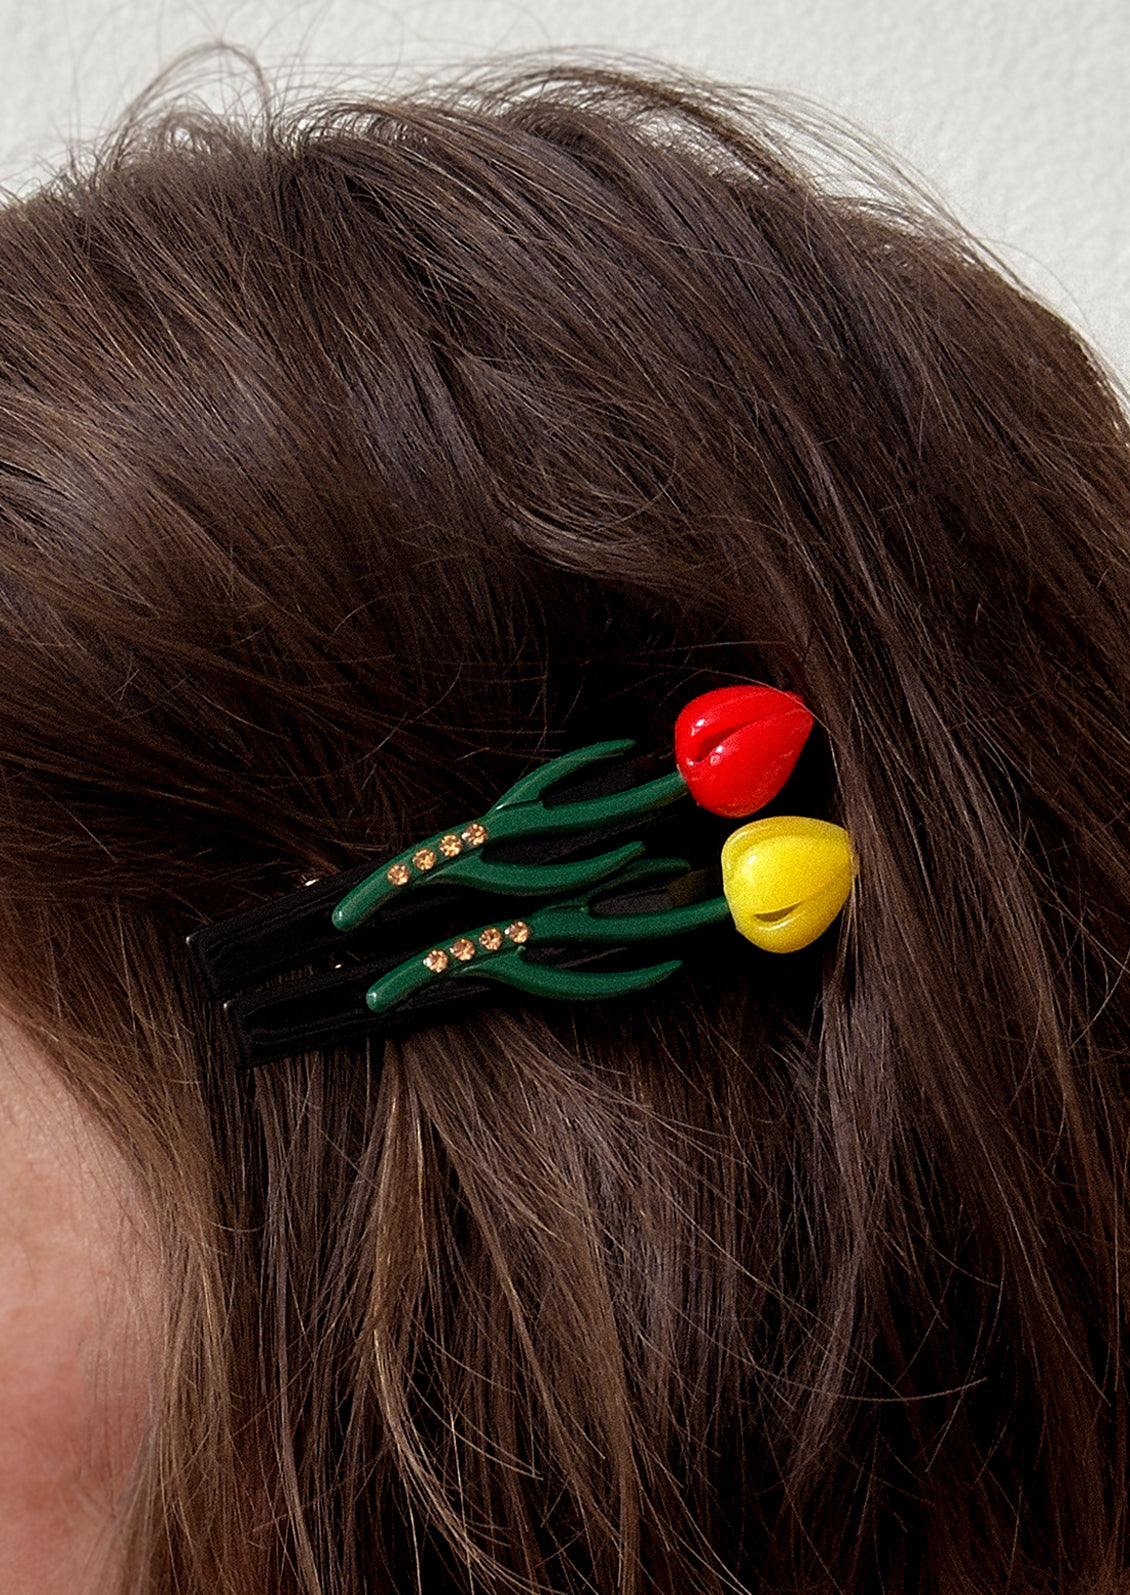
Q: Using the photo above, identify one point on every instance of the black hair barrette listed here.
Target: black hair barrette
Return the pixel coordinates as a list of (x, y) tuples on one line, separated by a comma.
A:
[(552, 892)]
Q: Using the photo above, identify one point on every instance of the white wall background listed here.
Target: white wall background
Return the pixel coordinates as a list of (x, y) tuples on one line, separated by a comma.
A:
[(1016, 111)]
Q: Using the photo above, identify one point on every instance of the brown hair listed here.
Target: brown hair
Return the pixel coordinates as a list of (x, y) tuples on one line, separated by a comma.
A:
[(351, 464)]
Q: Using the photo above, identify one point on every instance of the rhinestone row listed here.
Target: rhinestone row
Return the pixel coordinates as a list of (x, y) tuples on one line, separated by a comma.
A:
[(464, 949), (426, 858)]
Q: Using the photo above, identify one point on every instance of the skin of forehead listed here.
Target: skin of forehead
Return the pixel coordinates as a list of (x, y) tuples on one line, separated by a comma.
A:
[(77, 1291)]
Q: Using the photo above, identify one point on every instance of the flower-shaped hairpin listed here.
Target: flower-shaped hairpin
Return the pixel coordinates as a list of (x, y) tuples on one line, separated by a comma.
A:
[(395, 940), (785, 877)]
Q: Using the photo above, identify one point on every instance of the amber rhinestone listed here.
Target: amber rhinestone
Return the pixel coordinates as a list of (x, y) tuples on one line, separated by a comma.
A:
[(436, 960), (491, 939), (399, 874), (519, 931), (450, 845), (424, 858), (463, 949), (475, 834)]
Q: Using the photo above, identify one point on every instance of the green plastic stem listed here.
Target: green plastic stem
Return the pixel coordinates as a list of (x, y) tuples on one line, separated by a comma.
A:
[(521, 813), (559, 924)]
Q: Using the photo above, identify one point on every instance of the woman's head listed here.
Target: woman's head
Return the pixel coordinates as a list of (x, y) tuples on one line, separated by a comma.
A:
[(351, 465)]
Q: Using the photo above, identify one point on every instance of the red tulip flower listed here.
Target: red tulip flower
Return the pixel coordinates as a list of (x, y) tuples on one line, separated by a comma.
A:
[(737, 746)]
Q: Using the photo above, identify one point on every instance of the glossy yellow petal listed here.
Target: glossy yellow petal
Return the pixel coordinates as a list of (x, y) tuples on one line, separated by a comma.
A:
[(786, 878)]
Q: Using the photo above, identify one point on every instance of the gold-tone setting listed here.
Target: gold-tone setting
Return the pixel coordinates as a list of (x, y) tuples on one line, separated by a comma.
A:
[(399, 874), (424, 858), (475, 834), (436, 960), (518, 932), (490, 940), (463, 948), (450, 845)]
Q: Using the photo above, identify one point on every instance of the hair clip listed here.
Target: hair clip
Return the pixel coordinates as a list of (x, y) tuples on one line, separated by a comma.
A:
[(600, 917), (393, 936), (521, 814)]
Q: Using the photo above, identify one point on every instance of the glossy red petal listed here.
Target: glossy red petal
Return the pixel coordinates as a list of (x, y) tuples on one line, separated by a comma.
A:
[(737, 746)]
